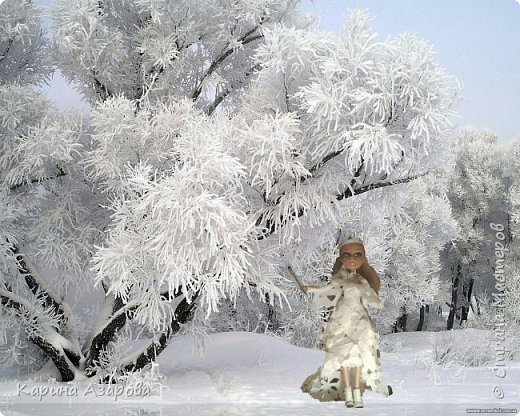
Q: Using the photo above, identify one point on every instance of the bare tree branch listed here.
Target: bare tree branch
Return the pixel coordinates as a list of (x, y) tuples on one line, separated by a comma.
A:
[(36, 285), (348, 193), (322, 162), (65, 359), (105, 335), (244, 40), (7, 49), (60, 174), (183, 313), (121, 315), (101, 89), (233, 87)]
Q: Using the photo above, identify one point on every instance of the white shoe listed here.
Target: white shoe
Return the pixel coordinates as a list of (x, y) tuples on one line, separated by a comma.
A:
[(349, 400), (358, 400)]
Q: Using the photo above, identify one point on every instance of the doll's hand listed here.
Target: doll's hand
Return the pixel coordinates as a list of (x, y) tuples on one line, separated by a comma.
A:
[(375, 301)]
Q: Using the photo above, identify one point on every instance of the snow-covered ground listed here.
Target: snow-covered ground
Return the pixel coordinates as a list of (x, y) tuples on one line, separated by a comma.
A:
[(250, 374)]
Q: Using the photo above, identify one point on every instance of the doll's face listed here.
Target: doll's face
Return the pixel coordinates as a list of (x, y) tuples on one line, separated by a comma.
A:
[(352, 256)]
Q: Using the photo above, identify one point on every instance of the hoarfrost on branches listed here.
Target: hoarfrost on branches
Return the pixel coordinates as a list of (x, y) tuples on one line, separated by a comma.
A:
[(226, 141)]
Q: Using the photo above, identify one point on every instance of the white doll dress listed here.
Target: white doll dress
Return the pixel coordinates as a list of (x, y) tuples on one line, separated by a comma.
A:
[(348, 338)]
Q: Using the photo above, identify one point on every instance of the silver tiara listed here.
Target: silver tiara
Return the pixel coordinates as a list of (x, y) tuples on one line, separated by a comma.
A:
[(351, 240)]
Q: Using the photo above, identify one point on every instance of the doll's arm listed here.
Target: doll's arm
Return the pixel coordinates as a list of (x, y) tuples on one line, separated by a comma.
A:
[(325, 296), (315, 289), (372, 298)]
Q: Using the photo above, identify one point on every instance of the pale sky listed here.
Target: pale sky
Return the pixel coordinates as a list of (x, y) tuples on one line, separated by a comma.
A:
[(477, 41)]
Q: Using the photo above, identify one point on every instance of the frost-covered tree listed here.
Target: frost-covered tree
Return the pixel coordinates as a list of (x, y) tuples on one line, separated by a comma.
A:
[(164, 51), (476, 193), (24, 63), (363, 117), (226, 141), (29, 153), (24, 58), (511, 259), (497, 299), (45, 222), (155, 51), (413, 274)]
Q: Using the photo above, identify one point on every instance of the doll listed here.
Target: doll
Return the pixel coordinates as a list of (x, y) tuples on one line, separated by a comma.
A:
[(351, 345)]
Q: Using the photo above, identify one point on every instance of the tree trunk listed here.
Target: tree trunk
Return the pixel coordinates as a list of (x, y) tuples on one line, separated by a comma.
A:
[(400, 324), (467, 290), (477, 301), (183, 313), (272, 320), (59, 358), (422, 317), (102, 339), (454, 297)]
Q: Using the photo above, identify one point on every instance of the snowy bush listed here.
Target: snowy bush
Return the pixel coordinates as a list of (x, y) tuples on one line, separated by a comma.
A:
[(468, 347), (390, 343), (440, 374)]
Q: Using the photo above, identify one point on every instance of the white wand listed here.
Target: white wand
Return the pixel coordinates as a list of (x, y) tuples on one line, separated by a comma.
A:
[(295, 277)]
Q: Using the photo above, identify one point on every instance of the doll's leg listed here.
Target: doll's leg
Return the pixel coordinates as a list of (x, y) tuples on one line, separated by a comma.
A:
[(356, 393), (346, 378), (357, 377), (349, 398)]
